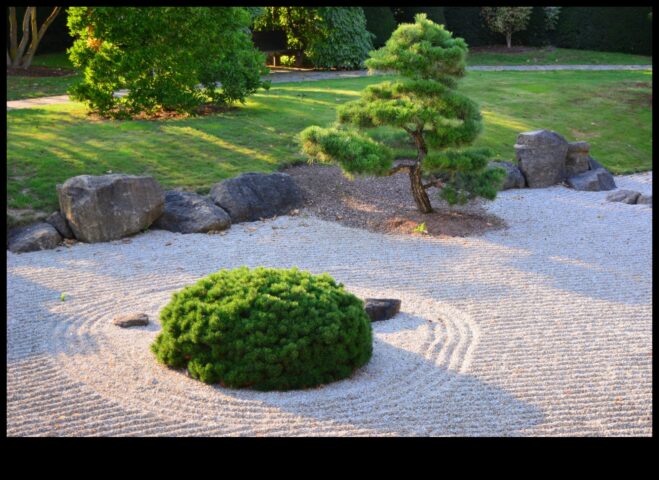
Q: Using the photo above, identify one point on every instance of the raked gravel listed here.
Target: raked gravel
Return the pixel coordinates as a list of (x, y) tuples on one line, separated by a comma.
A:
[(541, 329)]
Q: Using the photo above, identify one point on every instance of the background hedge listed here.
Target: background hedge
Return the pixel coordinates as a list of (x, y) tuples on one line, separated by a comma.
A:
[(615, 29)]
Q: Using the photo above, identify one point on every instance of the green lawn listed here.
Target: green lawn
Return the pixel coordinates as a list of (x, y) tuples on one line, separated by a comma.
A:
[(32, 87), (561, 56), (47, 145)]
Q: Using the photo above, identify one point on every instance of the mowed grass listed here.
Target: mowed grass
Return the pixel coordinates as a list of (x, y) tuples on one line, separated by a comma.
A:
[(19, 88), (556, 56), (32, 87), (47, 145)]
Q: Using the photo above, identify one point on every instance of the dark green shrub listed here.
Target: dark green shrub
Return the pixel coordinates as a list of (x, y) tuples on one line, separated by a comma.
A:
[(467, 23), (266, 329), (538, 33), (328, 37), (161, 55), (380, 22), (345, 42)]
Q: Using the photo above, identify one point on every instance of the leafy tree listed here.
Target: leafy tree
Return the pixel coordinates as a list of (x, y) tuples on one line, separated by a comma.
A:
[(21, 54), (507, 20), (326, 36), (551, 17), (425, 104), (162, 55)]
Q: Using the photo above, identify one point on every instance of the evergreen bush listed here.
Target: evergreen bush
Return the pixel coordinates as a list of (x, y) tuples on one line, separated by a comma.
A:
[(265, 329), (425, 104)]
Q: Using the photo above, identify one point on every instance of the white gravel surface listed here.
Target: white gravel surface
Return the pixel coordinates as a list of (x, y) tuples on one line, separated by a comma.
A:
[(544, 328)]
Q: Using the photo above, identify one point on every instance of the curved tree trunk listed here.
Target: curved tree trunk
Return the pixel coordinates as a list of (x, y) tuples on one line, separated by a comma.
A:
[(418, 192)]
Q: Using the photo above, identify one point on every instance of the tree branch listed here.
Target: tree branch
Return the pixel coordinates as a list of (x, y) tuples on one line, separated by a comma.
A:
[(402, 166), (36, 37), (13, 34), (16, 61)]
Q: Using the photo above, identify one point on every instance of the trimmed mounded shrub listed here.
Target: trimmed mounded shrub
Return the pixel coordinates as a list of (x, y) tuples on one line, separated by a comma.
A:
[(266, 329)]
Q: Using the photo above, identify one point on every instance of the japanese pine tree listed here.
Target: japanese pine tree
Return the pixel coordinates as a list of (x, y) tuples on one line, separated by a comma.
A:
[(423, 101)]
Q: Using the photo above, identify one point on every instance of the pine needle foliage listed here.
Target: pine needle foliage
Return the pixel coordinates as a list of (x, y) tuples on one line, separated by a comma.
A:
[(265, 329), (425, 103)]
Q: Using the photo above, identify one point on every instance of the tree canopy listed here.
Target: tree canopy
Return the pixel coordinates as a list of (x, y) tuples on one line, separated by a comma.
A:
[(162, 55)]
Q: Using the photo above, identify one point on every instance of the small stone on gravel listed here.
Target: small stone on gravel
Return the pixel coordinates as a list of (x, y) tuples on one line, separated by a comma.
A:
[(131, 320), (381, 308)]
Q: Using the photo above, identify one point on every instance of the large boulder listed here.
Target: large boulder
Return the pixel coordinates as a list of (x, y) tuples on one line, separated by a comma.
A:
[(252, 196), (38, 236), (109, 207), (624, 196), (57, 220), (541, 157), (514, 177), (577, 159), (187, 212)]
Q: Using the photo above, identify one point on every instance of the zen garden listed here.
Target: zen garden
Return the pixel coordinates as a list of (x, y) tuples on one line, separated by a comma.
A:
[(329, 221)]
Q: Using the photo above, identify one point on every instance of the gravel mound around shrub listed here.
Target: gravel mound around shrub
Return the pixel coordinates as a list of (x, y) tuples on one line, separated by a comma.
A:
[(544, 328)]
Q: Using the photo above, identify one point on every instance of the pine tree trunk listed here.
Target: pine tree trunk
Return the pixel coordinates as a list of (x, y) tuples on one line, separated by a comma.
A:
[(418, 192)]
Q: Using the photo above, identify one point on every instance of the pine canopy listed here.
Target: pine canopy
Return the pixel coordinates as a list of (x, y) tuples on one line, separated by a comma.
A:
[(423, 100)]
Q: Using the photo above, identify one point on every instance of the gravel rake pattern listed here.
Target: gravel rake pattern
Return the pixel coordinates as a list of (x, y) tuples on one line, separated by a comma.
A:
[(540, 329)]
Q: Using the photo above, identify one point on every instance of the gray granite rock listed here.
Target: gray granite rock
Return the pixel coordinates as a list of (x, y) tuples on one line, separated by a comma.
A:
[(187, 212), (644, 200), (541, 157), (592, 180), (38, 236), (576, 160), (109, 207), (131, 320), (57, 220), (624, 196), (381, 308), (514, 177), (252, 196)]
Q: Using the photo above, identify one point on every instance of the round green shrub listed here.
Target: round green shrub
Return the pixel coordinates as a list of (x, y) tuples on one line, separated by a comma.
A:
[(265, 329)]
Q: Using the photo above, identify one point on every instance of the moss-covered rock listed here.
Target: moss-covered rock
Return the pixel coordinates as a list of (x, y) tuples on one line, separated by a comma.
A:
[(266, 329)]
